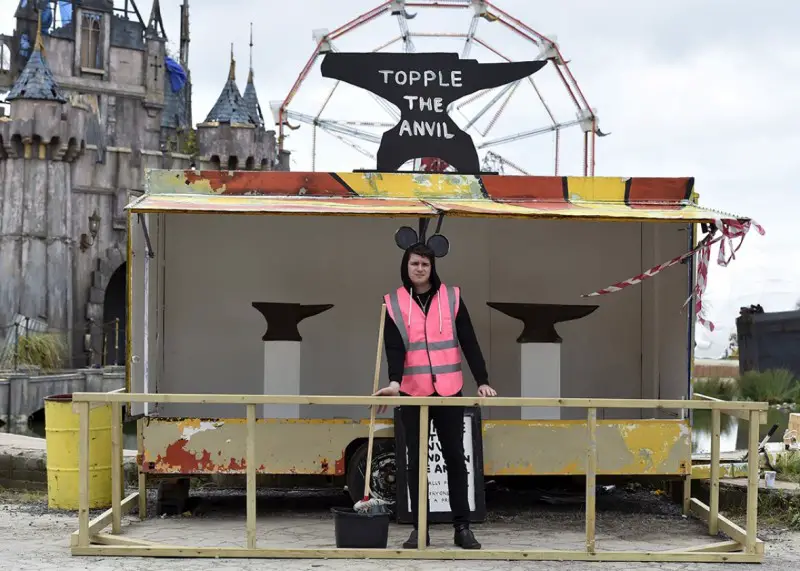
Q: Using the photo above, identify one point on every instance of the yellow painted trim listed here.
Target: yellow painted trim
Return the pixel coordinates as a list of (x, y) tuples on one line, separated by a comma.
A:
[(596, 189)]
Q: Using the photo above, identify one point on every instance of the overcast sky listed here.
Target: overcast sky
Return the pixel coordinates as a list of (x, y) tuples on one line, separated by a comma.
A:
[(706, 89)]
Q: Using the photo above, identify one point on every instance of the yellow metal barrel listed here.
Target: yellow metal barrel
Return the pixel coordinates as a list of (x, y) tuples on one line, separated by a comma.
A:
[(61, 431)]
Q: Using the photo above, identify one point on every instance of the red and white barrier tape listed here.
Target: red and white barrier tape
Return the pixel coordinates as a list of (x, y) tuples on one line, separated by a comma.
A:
[(731, 229)]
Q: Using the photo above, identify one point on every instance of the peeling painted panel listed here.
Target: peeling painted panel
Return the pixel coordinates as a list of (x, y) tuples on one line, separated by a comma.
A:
[(283, 446), (624, 447), (316, 446)]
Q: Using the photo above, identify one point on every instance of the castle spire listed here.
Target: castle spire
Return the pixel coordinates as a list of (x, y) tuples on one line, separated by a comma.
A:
[(250, 75), (155, 26), (36, 82), (230, 106), (185, 34), (250, 95)]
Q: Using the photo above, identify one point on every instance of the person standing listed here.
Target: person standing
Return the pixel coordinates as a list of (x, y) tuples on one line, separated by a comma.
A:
[(428, 321)]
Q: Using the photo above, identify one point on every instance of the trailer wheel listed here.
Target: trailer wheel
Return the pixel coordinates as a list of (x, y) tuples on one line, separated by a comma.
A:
[(383, 476)]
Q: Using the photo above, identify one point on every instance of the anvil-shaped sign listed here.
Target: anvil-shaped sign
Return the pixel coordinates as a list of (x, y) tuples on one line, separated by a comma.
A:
[(423, 85)]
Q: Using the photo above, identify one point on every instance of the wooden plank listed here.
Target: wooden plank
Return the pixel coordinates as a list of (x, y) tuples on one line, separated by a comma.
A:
[(422, 505), (201, 398), (726, 526), (83, 474), (412, 554), (142, 475), (591, 472), (752, 484), (101, 522), (713, 527), (105, 539), (116, 467), (740, 414), (251, 476), (717, 547)]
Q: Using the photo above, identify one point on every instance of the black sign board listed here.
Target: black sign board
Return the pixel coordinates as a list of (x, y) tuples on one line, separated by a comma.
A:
[(438, 496), (423, 85)]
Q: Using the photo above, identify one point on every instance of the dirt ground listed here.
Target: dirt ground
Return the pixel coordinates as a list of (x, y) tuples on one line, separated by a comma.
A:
[(32, 537)]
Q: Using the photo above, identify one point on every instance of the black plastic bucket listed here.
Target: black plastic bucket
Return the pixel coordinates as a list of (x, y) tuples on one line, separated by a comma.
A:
[(360, 531)]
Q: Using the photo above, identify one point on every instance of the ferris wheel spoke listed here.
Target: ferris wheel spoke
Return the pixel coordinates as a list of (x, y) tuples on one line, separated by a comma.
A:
[(491, 103), (527, 134), (473, 26), (333, 126)]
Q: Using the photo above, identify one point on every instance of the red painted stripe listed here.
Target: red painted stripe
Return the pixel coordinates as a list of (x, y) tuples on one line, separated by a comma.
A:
[(667, 192), (270, 183), (549, 188)]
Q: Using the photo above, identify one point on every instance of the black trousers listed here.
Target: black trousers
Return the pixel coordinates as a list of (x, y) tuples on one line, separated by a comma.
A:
[(449, 424)]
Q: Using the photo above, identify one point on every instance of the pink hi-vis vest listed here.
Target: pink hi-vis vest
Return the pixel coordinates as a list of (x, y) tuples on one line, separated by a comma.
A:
[(433, 359)]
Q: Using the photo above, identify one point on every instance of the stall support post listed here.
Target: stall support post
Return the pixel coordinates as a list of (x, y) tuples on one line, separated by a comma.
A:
[(140, 469), (752, 482), (117, 481), (591, 477), (422, 506), (83, 473), (713, 502), (251, 476)]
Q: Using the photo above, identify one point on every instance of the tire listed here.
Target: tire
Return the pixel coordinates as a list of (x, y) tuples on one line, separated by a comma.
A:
[(383, 476)]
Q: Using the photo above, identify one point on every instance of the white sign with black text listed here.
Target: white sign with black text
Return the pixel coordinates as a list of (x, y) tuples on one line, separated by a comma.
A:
[(438, 494)]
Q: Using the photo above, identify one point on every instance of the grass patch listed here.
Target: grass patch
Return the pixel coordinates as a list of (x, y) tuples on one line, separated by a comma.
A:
[(716, 388), (44, 350), (787, 466), (775, 386), (16, 496), (775, 510)]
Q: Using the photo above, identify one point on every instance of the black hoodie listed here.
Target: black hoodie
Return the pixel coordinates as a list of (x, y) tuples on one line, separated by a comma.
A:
[(393, 342)]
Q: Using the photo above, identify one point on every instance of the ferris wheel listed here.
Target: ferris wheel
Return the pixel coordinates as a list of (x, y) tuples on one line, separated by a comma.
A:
[(542, 124)]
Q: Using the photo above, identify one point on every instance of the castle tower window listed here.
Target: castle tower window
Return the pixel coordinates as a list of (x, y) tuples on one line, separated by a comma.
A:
[(91, 46)]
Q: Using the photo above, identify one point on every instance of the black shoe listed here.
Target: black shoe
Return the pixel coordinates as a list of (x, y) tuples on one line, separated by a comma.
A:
[(464, 538), (411, 542)]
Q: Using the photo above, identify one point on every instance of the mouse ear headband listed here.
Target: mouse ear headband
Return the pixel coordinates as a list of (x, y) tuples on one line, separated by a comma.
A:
[(406, 236)]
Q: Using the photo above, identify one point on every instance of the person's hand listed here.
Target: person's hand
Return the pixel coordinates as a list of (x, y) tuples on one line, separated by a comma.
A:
[(486, 391), (392, 390)]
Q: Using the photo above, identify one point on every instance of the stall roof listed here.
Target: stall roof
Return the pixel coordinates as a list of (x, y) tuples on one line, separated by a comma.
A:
[(429, 194)]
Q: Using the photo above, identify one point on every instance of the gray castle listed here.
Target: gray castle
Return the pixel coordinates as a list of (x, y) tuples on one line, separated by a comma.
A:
[(93, 99)]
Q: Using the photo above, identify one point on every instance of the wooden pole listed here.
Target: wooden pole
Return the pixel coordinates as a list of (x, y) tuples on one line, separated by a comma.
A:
[(422, 506), (687, 491), (713, 517), (116, 467), (83, 474), (752, 483), (251, 476), (591, 477), (142, 475)]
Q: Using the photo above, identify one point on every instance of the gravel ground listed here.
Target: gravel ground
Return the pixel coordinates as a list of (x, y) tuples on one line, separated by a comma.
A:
[(32, 537)]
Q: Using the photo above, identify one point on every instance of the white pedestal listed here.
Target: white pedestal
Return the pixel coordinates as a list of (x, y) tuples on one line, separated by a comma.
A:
[(281, 377), (540, 368)]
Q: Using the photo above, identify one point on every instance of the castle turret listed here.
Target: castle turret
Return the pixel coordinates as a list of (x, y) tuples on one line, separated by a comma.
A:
[(37, 144), (231, 136)]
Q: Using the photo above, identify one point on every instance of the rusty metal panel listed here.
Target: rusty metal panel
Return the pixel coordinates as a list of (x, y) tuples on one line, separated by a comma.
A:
[(511, 447), (283, 446), (624, 447)]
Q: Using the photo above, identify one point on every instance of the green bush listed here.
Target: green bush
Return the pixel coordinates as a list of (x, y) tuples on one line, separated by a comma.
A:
[(716, 388), (774, 386)]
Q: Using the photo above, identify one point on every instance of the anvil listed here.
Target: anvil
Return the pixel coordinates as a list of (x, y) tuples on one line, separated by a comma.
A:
[(422, 86)]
